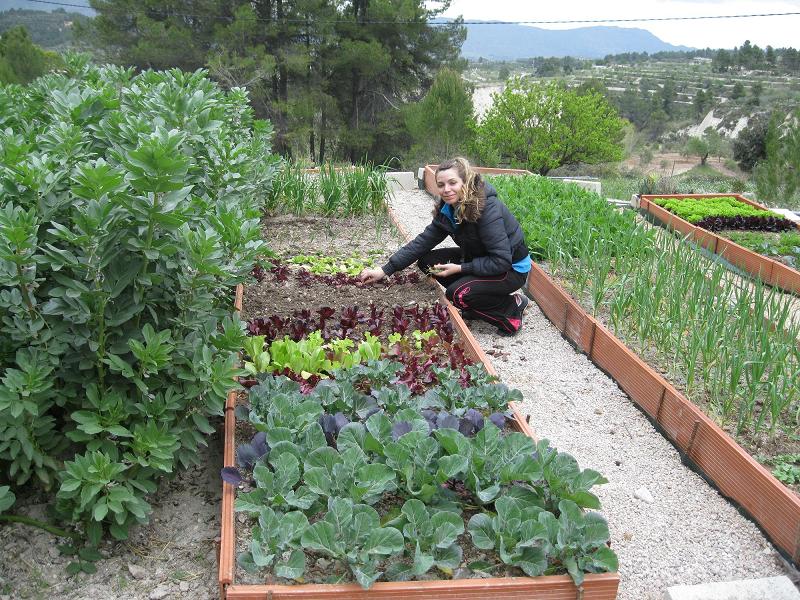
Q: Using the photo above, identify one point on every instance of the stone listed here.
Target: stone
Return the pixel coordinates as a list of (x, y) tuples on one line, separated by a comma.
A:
[(136, 571), (159, 593), (211, 556), (768, 588), (644, 494), (184, 585), (323, 563), (401, 180), (461, 573)]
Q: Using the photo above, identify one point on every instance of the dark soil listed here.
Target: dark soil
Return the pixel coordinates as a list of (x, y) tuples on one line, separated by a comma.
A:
[(290, 237)]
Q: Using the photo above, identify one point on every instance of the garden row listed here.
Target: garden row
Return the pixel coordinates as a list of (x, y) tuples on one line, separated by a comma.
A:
[(329, 190), (391, 456), (684, 316)]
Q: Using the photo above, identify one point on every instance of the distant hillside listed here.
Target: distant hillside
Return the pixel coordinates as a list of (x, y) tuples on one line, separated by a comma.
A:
[(24, 4), (51, 30), (509, 42)]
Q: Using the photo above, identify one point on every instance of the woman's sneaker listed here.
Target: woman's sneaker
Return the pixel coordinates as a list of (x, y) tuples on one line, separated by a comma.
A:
[(470, 315), (522, 305)]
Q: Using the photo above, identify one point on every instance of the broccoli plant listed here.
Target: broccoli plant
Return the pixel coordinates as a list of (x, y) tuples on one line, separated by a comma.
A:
[(353, 533), (432, 534)]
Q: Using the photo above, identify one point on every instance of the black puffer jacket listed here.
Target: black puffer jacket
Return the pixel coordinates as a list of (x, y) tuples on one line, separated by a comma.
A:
[(488, 247)]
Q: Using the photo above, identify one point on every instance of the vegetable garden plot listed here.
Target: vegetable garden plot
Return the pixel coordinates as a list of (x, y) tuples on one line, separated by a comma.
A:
[(706, 216), (680, 311), (376, 437), (783, 247)]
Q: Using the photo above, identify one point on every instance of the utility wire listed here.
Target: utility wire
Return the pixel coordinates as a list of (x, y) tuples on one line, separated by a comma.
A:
[(435, 23)]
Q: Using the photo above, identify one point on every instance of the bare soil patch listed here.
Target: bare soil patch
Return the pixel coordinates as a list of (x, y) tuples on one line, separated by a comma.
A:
[(673, 163), (289, 237), (174, 556)]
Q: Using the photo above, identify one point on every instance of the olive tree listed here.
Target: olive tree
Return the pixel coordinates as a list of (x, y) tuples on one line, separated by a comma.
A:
[(544, 126)]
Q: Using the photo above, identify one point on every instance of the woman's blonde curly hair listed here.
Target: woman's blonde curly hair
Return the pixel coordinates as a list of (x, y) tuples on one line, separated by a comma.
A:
[(473, 195)]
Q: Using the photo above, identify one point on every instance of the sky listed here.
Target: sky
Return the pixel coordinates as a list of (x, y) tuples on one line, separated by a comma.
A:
[(779, 31)]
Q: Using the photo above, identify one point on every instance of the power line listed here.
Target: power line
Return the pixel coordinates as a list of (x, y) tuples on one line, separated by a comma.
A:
[(434, 23)]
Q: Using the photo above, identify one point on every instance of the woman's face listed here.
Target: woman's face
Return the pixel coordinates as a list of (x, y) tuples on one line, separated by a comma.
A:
[(449, 184)]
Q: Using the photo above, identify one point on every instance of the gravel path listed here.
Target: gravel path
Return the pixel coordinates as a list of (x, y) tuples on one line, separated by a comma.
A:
[(688, 533)]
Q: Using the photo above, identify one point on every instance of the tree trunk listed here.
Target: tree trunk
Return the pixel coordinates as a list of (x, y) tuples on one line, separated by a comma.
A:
[(322, 139)]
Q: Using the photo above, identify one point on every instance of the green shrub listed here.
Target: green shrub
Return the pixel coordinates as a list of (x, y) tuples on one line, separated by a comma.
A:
[(130, 209)]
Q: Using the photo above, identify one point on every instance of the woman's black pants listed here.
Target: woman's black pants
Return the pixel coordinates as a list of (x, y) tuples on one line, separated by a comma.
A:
[(487, 296)]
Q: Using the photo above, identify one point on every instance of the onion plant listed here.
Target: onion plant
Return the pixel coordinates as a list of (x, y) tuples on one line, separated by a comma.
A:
[(334, 192), (732, 346)]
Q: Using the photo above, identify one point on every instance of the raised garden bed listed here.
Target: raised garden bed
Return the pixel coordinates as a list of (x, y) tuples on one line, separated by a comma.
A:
[(595, 586), (702, 442), (770, 271)]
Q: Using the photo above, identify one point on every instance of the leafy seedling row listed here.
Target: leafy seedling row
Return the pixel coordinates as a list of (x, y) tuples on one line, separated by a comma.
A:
[(341, 278), (718, 213)]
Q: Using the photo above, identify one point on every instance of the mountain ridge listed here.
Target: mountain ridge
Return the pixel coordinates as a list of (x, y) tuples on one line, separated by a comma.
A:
[(508, 42)]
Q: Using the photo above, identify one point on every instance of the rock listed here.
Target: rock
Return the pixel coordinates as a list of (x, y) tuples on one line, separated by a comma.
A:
[(461, 574), (211, 556), (242, 518), (158, 593), (598, 411), (323, 563), (136, 571), (184, 585), (644, 494), (53, 552)]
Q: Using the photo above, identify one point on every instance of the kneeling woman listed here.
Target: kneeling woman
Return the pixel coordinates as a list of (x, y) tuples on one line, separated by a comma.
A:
[(491, 260)]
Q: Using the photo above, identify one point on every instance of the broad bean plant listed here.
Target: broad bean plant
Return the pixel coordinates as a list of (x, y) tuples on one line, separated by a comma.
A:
[(129, 209)]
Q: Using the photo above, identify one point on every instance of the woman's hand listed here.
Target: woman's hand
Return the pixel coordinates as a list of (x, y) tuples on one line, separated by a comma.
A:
[(445, 270), (371, 275)]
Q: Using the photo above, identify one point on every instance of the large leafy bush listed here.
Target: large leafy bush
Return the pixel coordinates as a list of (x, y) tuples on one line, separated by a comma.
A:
[(129, 210)]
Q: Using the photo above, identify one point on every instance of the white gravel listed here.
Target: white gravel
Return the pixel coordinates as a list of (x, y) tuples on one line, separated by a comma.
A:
[(688, 534)]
